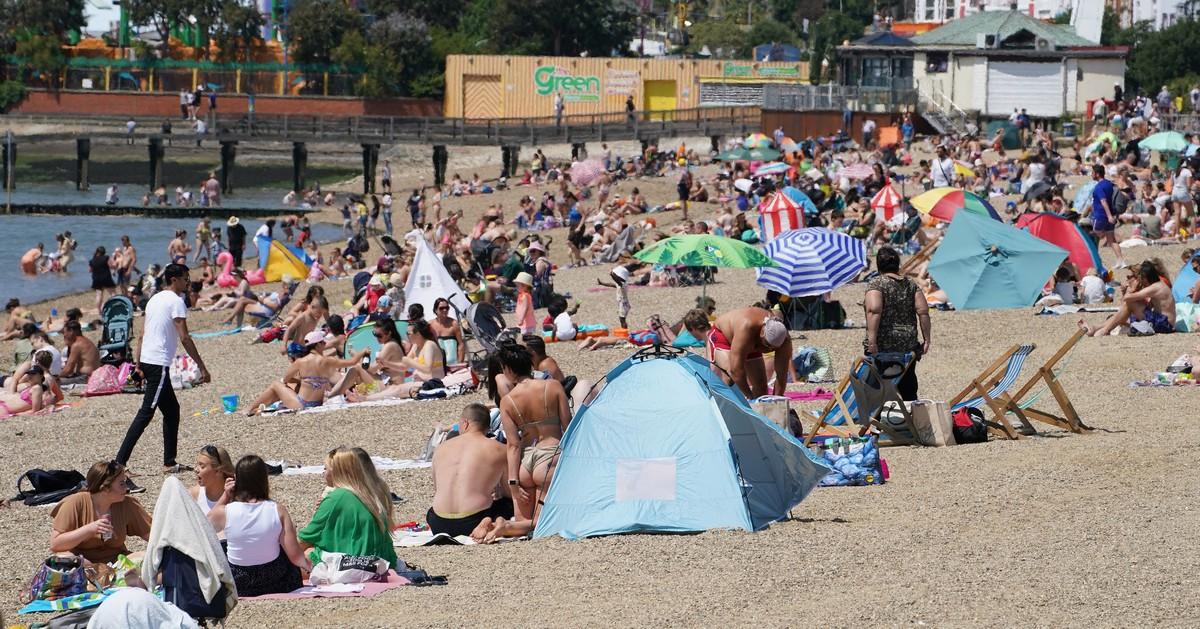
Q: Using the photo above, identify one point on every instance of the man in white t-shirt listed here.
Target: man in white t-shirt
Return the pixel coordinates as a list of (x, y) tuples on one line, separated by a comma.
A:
[(40, 342), (941, 169), (163, 328)]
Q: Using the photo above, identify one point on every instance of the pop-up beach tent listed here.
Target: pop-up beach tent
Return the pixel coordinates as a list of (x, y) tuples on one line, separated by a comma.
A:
[(277, 259), (666, 446), (428, 280)]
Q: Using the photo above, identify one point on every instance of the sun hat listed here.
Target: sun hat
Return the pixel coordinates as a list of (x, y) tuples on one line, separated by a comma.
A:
[(621, 273), (233, 221), (774, 332), (314, 337), (524, 278), (536, 246), (397, 280), (375, 281)]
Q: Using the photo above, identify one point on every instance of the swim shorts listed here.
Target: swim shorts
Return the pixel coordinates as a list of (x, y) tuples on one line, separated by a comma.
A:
[(1157, 320), (466, 524)]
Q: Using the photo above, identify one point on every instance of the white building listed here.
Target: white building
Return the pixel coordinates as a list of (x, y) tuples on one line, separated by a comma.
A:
[(1160, 13), (946, 10)]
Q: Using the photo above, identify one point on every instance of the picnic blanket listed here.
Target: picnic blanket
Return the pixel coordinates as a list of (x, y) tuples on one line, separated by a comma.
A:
[(337, 590), (79, 601), (381, 463)]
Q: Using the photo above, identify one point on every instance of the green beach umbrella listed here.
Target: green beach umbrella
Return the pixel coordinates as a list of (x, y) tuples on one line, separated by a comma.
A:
[(983, 263), (704, 250), (1164, 142), (763, 154), (734, 155)]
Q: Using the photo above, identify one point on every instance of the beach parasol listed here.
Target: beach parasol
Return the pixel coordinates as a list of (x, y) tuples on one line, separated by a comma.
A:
[(744, 185), (856, 171), (963, 169), (738, 154), (982, 263), (1056, 230), (757, 140), (774, 168), (1164, 142), (943, 203), (789, 145), (812, 261), (779, 214), (585, 172), (762, 154), (704, 250), (886, 202)]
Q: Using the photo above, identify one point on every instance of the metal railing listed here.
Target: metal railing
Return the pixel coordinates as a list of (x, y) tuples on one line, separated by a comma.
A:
[(837, 98), (936, 101)]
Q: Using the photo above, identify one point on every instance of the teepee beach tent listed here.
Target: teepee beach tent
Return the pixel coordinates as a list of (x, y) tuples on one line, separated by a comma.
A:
[(635, 460), (428, 280)]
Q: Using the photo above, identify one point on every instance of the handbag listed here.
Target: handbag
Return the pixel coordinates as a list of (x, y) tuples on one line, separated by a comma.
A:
[(855, 462), (59, 576), (932, 423), (343, 568)]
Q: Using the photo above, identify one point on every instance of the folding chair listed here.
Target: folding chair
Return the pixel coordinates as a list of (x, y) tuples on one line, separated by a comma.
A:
[(1021, 403), (860, 398), (991, 387), (909, 267)]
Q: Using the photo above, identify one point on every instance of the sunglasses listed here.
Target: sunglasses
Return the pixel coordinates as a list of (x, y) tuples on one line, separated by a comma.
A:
[(211, 452)]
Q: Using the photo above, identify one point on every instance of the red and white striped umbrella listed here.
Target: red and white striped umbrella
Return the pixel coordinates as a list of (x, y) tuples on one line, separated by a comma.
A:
[(779, 213), (886, 202)]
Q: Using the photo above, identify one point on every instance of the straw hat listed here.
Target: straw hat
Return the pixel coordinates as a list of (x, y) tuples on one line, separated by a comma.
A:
[(397, 280), (233, 221), (524, 278)]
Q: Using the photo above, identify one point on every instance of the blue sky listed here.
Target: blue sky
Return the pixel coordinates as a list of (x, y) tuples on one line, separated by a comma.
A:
[(100, 14)]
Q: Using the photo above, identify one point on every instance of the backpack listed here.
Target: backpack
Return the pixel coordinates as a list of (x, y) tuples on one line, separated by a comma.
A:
[(48, 486), (969, 426)]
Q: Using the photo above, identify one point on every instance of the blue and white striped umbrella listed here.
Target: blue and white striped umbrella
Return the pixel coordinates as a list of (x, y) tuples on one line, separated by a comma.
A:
[(812, 261)]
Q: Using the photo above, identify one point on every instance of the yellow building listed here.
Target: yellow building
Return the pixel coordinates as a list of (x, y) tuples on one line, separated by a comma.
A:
[(503, 86)]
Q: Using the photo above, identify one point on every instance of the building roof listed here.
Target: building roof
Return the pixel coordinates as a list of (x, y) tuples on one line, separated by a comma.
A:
[(883, 38), (1003, 24)]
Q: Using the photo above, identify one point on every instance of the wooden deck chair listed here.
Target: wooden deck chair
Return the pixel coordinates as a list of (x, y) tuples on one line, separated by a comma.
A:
[(842, 415), (991, 388), (1021, 402), (878, 386), (915, 260)]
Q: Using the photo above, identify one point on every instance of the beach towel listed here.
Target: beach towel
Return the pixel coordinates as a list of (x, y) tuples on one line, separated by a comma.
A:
[(1069, 309), (816, 395), (216, 333), (79, 601), (337, 590), (382, 464), (409, 539), (179, 524)]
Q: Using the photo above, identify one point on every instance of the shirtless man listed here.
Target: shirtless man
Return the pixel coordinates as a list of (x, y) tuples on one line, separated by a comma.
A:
[(1147, 299), (82, 355), (736, 343), (30, 261), (306, 322), (467, 477), (18, 316), (127, 255)]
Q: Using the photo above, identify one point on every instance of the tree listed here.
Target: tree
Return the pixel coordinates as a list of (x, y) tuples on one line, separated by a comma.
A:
[(595, 27), (768, 32), (162, 15), (723, 38), (406, 42), (1160, 57), (1110, 25), (828, 33), (238, 28), (43, 55), (444, 13), (316, 27), (56, 17)]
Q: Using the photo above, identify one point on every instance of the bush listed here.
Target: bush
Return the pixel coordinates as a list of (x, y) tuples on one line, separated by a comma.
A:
[(11, 94)]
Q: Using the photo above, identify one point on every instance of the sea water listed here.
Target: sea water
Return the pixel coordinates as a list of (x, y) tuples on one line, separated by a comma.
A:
[(149, 236)]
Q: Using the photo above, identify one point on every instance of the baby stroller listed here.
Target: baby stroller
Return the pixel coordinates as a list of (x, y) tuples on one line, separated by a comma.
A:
[(483, 322), (117, 315)]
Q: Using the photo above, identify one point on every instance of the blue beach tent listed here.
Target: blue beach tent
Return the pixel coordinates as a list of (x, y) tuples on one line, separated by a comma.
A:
[(666, 446)]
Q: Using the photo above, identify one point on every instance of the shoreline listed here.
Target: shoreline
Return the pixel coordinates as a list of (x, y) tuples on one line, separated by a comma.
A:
[(72, 209)]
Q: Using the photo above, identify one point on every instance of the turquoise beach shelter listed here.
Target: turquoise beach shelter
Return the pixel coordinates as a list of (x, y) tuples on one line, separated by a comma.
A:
[(667, 447)]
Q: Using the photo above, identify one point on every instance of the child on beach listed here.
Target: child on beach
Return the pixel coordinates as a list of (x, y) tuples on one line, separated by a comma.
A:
[(525, 319), (620, 277)]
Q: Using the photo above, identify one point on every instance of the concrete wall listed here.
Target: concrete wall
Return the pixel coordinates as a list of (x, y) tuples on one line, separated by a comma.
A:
[(167, 105), (1099, 75)]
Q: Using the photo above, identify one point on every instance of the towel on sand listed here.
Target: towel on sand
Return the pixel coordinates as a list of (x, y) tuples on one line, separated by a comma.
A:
[(382, 464), (336, 591)]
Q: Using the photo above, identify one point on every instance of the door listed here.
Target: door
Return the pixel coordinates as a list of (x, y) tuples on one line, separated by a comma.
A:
[(481, 96), (658, 96), (1036, 87)]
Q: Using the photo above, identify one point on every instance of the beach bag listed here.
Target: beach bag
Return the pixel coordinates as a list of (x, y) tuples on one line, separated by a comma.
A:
[(855, 462), (105, 380), (185, 372), (932, 423), (343, 568), (778, 410), (969, 426), (48, 486), (59, 576)]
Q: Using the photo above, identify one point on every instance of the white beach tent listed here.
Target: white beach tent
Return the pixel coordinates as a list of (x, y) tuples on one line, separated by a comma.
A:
[(428, 280)]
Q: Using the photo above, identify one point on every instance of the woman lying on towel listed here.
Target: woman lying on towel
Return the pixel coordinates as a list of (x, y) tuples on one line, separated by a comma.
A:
[(355, 516), (425, 358), (314, 372), (264, 554), (32, 392)]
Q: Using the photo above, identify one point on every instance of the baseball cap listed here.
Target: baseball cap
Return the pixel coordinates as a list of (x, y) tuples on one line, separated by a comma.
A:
[(314, 337), (774, 332)]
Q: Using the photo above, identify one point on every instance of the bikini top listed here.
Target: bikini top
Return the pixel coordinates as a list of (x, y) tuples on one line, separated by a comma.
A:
[(550, 420)]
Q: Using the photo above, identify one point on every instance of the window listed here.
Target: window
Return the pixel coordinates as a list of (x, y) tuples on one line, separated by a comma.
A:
[(937, 62)]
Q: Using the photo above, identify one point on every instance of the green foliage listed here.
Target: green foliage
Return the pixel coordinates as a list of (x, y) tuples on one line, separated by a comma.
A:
[(768, 32), (11, 93), (1161, 57), (594, 27), (1064, 18), (317, 27), (443, 13), (161, 15), (1110, 25), (43, 55), (56, 17), (724, 39), (238, 28), (827, 34)]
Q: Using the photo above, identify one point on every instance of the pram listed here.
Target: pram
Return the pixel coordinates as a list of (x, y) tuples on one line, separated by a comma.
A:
[(117, 315), (483, 323)]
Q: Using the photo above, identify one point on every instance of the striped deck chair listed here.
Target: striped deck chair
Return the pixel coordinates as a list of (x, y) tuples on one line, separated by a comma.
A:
[(843, 415), (991, 389), (1025, 398)]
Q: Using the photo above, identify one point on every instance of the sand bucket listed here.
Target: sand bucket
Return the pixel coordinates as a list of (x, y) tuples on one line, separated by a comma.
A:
[(229, 403)]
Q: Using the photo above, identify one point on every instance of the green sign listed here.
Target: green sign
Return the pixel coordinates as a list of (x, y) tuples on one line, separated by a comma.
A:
[(776, 71), (548, 80), (733, 70), (738, 70)]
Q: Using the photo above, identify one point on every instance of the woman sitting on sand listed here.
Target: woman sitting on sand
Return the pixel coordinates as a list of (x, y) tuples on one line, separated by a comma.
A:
[(96, 522), (425, 358), (534, 415), (314, 372), (250, 303), (30, 394), (214, 479), (18, 316), (387, 365), (355, 516), (448, 331), (264, 554)]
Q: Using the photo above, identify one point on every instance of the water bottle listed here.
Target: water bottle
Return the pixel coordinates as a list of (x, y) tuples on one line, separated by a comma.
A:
[(54, 312)]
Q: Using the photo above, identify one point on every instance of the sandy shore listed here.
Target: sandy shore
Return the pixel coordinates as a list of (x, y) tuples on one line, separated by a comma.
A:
[(1057, 530)]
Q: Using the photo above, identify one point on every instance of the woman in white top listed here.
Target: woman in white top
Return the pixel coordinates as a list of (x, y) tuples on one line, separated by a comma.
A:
[(263, 551), (1181, 192), (214, 479)]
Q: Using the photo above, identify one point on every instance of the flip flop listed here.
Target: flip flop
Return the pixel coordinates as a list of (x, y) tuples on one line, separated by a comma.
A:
[(178, 468)]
